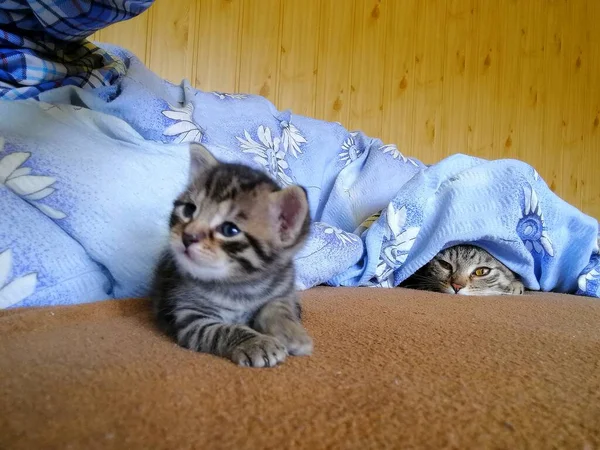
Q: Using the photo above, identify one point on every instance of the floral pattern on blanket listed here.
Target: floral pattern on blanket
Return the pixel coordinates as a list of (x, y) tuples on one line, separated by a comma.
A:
[(16, 290), (20, 180)]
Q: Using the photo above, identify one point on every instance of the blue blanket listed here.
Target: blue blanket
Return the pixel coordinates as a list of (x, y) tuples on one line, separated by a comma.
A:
[(86, 192)]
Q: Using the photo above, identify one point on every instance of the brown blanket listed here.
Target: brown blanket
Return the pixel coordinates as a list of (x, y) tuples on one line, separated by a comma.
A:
[(391, 368)]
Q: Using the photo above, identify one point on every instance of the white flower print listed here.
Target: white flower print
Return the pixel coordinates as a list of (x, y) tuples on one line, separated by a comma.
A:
[(18, 289), (223, 96), (343, 237), (531, 227), (185, 128), (396, 243), (396, 154), (350, 151), (584, 280), (291, 138), (30, 187), (267, 153)]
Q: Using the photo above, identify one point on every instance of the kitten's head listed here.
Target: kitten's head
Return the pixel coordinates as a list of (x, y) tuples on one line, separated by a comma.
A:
[(233, 222), (467, 270)]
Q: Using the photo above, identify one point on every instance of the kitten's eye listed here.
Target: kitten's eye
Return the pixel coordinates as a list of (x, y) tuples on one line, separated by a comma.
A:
[(481, 271), (188, 210), (228, 229), (445, 265)]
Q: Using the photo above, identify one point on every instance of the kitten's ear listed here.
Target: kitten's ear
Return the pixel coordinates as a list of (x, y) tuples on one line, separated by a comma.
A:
[(200, 160), (289, 211)]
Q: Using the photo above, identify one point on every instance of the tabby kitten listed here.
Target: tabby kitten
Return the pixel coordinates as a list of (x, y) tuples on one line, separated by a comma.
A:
[(226, 283), (465, 270)]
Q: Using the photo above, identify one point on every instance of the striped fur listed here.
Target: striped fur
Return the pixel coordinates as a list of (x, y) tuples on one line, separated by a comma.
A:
[(465, 270), (233, 294)]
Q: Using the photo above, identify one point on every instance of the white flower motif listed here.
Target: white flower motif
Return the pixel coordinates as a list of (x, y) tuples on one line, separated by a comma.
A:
[(342, 236), (30, 187), (223, 96), (350, 151), (185, 128), (267, 153), (583, 280), (291, 138), (396, 154), (18, 289), (536, 175), (396, 244), (531, 227)]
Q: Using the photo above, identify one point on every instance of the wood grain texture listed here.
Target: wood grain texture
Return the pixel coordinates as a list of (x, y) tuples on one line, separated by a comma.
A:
[(132, 34), (508, 79), (172, 39)]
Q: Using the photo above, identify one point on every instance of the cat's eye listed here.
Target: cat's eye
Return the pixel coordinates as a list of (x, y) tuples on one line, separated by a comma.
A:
[(228, 229), (481, 271), (187, 209), (445, 265)]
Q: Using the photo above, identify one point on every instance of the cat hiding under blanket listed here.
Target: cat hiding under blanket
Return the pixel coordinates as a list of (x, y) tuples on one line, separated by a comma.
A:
[(465, 270), (226, 283)]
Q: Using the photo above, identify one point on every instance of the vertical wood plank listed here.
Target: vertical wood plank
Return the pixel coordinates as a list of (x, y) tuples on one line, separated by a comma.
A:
[(131, 34), (459, 62), (217, 44), (172, 39), (400, 77), (573, 104), (507, 127), (486, 78), (261, 48), (298, 67), (368, 62), (430, 53), (590, 190), (551, 140), (336, 37), (533, 89)]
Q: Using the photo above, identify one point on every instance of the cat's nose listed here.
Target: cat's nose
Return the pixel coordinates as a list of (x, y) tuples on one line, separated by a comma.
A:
[(457, 287), (189, 239)]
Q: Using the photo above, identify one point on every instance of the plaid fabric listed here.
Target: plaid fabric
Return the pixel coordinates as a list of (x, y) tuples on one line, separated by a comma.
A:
[(43, 46)]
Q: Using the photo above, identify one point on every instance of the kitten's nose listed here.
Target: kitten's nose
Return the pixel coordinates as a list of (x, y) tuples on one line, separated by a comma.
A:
[(189, 239), (457, 287)]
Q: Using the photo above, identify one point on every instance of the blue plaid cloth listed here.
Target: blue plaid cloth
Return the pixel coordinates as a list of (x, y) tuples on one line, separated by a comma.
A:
[(43, 46)]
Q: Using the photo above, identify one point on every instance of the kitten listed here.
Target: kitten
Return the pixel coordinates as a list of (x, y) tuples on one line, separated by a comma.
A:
[(226, 283), (465, 270)]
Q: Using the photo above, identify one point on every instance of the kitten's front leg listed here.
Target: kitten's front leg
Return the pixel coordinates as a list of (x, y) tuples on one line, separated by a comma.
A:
[(281, 319), (239, 343)]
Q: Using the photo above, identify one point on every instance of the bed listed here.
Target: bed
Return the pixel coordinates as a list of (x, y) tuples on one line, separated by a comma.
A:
[(392, 368)]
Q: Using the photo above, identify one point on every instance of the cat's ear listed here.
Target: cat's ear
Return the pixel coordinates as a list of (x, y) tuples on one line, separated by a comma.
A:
[(289, 211), (200, 160)]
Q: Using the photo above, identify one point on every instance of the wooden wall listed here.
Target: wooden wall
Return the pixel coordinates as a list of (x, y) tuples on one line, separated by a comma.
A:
[(493, 78)]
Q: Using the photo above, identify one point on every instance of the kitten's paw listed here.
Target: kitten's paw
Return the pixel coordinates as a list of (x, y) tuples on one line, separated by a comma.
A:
[(295, 338), (516, 288), (260, 351)]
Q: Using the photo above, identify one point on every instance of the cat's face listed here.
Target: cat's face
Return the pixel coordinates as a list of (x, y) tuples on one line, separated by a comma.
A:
[(469, 270), (234, 222)]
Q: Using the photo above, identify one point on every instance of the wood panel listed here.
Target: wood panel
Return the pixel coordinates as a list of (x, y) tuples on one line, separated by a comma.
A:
[(218, 44), (132, 34), (172, 39), (333, 72), (508, 79), (298, 66)]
